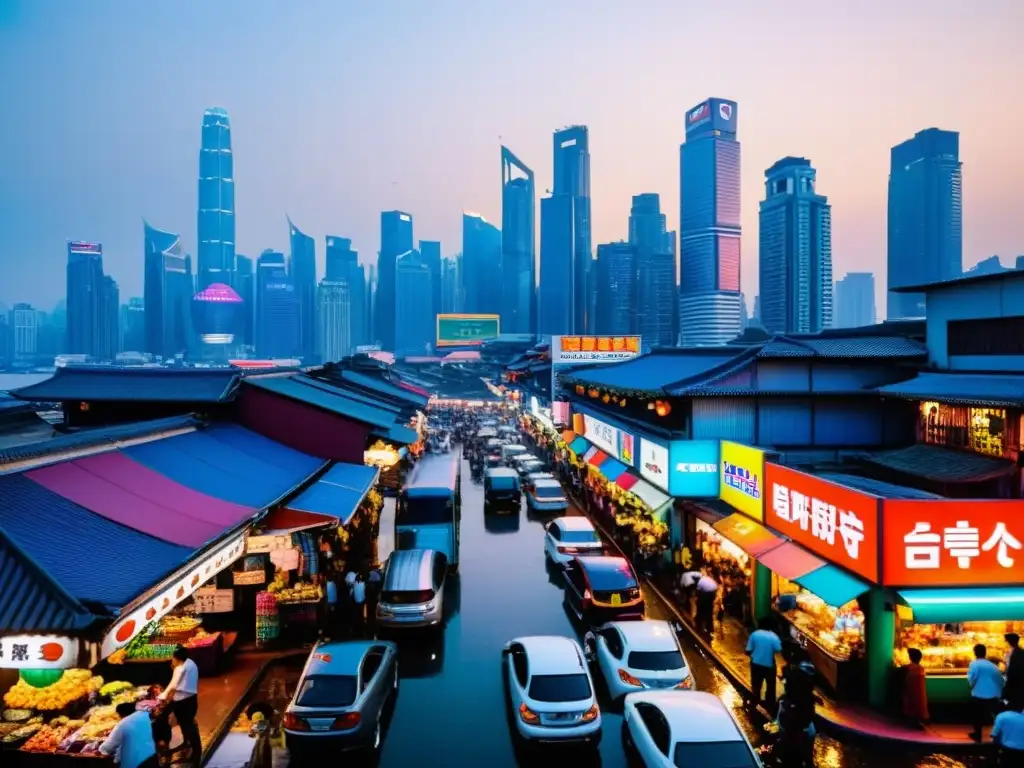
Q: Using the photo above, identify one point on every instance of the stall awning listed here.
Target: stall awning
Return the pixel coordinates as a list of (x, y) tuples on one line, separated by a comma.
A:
[(790, 561), (649, 495), (284, 521), (568, 436), (338, 493), (833, 585), (950, 606), (751, 537), (596, 457), (579, 445), (627, 480), (611, 469)]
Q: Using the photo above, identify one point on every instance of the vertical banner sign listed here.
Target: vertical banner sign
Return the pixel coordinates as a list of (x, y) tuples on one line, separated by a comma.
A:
[(742, 479)]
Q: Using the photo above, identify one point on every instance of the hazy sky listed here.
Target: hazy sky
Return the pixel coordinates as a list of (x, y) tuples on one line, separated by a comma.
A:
[(340, 109)]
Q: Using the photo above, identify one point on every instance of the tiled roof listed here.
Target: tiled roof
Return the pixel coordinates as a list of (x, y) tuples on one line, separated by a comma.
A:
[(111, 383), (878, 488), (942, 464), (359, 396), (376, 384), (334, 401), (854, 347), (656, 371), (992, 389)]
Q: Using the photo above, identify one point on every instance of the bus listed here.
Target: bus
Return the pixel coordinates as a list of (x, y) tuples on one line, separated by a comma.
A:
[(430, 507)]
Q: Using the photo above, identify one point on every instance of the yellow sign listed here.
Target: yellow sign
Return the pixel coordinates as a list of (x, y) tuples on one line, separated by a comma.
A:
[(741, 483)]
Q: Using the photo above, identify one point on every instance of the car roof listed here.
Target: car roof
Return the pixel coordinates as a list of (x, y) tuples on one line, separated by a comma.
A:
[(552, 654), (544, 482), (340, 657), (650, 635), (692, 716), (408, 566), (542, 475), (501, 472), (603, 564), (575, 523)]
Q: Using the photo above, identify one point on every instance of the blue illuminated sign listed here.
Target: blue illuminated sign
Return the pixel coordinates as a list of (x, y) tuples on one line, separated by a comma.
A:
[(694, 466)]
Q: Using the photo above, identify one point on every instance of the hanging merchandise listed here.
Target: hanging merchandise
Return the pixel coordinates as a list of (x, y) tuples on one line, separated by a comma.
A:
[(268, 622)]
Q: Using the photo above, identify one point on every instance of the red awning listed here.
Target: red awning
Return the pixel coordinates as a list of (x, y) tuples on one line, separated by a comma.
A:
[(626, 480), (597, 458), (283, 520)]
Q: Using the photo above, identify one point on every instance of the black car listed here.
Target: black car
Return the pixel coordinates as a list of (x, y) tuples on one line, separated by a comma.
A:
[(603, 589), (502, 490)]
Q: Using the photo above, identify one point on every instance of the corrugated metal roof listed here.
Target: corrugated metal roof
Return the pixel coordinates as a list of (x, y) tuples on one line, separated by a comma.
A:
[(335, 402), (93, 559), (877, 487), (655, 371), (379, 385), (338, 492), (108, 383), (854, 347), (991, 389), (342, 390), (230, 463), (942, 464)]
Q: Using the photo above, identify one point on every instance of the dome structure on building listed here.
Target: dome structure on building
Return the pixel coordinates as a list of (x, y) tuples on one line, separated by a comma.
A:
[(219, 292)]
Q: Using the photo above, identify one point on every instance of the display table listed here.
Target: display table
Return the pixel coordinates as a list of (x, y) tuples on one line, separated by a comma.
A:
[(840, 671)]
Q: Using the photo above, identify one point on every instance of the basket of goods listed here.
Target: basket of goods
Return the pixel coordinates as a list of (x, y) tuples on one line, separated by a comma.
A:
[(110, 690), (20, 735), (47, 739), (179, 627), (202, 639), (75, 685)]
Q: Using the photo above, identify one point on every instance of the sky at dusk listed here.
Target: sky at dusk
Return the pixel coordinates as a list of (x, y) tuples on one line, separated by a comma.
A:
[(340, 109)]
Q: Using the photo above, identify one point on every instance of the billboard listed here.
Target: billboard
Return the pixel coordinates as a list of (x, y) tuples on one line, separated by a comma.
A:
[(615, 442), (714, 115), (683, 468), (577, 350), (834, 522), (741, 482), (466, 330)]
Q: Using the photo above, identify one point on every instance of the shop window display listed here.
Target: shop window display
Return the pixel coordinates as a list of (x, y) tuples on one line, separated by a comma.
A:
[(838, 631), (948, 649)]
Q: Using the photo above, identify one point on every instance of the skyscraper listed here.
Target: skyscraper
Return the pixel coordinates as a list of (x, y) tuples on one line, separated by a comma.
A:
[(558, 284), (167, 290), (855, 300), (245, 286), (572, 177), (133, 325), (334, 317), (414, 320), (216, 225), (395, 239), (110, 319), (795, 250), (430, 253), (85, 334), (451, 286), (709, 225), (277, 308), (656, 272), (925, 242), (25, 330), (303, 273), (518, 244), (343, 266), (615, 281), (481, 265)]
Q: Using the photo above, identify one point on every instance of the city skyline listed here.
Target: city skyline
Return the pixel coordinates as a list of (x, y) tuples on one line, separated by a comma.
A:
[(288, 166)]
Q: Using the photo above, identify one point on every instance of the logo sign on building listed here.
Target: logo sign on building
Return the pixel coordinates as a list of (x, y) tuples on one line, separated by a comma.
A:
[(953, 543), (560, 412), (626, 448), (654, 463), (834, 522), (604, 436), (38, 652), (695, 469), (698, 115), (593, 349), (467, 330), (742, 478)]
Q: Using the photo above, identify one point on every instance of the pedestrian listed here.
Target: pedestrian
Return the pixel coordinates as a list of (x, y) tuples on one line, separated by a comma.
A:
[(986, 683), (761, 648), (1013, 691), (182, 695), (331, 588), (350, 579), (131, 742), (359, 602), (374, 585), (915, 690), (707, 592), (1008, 735)]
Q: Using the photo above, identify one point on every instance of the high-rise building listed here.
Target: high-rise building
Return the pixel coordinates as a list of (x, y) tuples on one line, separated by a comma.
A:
[(925, 237), (572, 177), (245, 286), (518, 245), (430, 252), (709, 225), (110, 319), (558, 285), (167, 290), (414, 319), (85, 334), (277, 308), (395, 239), (25, 335), (451, 286), (795, 250), (302, 270), (371, 303), (656, 272), (133, 325), (216, 223), (343, 266), (481, 265), (855, 300), (615, 272), (334, 317)]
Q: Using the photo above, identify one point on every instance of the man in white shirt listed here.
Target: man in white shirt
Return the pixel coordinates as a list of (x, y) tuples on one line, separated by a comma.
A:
[(131, 741), (1008, 735), (986, 683), (707, 591), (182, 694)]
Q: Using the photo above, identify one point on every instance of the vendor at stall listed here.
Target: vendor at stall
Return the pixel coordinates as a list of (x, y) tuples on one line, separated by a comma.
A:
[(131, 742)]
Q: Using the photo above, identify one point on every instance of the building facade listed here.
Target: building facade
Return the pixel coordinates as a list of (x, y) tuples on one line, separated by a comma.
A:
[(557, 294), (430, 252), (334, 315), (216, 220), (396, 238), (481, 265), (518, 244), (855, 300), (572, 177), (414, 320), (615, 273), (245, 285), (277, 308), (656, 303), (343, 266), (24, 335), (302, 270), (168, 287), (85, 335)]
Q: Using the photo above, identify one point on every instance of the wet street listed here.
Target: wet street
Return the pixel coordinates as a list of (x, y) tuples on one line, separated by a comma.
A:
[(450, 709)]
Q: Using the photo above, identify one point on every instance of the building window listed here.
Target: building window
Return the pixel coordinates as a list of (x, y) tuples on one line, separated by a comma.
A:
[(976, 429), (990, 336)]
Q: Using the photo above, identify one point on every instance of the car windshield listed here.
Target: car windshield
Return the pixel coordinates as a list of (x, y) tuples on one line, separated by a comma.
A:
[(656, 660), (327, 691), (426, 510), (502, 483), (604, 578), (559, 688), (580, 537), (720, 754), (549, 492)]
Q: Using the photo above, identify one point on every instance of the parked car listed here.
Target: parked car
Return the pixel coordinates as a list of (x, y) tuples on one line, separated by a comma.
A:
[(533, 477), (638, 655), (527, 468), (412, 591), (340, 698), (664, 729), (502, 490), (571, 537), (603, 588), (546, 496), (509, 452), (550, 691)]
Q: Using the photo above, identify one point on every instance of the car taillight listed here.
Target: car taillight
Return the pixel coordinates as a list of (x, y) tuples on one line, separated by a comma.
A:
[(527, 715), (628, 679), (293, 723), (686, 685), (633, 594), (346, 722)]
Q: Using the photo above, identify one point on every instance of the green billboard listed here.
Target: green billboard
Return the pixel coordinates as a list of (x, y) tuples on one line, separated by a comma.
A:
[(466, 330)]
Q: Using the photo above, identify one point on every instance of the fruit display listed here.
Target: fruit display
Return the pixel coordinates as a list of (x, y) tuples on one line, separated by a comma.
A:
[(23, 733), (300, 592), (75, 685), (114, 688), (202, 639), (268, 622), (46, 739), (117, 657), (16, 715), (179, 625)]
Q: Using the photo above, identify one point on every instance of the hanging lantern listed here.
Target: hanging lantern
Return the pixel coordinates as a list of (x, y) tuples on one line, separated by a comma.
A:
[(650, 405), (579, 389), (606, 398), (592, 393), (622, 402), (662, 408)]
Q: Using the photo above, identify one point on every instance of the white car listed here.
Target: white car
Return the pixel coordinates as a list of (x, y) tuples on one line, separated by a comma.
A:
[(571, 537), (550, 690), (665, 729), (638, 655)]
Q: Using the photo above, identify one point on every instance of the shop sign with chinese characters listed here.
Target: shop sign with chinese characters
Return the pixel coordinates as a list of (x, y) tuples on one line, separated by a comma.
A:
[(834, 522), (604, 436), (38, 652), (953, 543)]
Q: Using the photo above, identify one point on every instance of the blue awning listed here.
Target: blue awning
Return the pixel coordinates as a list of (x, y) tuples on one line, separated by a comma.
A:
[(338, 493), (579, 446), (946, 606), (612, 468), (398, 434), (833, 585)]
